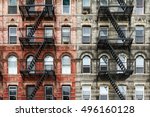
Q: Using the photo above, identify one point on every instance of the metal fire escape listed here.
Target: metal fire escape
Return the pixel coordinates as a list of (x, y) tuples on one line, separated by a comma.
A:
[(29, 13), (124, 13)]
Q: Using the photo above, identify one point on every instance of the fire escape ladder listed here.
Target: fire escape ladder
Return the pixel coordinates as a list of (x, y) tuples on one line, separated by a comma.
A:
[(36, 56), (115, 86), (122, 4), (38, 84), (115, 24), (36, 24)]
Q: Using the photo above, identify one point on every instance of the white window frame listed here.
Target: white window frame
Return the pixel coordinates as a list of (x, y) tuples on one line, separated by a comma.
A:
[(29, 59), (103, 91), (13, 88), (12, 34), (48, 32), (12, 65), (86, 91), (104, 63), (67, 30), (48, 63), (140, 10), (141, 36), (48, 96), (140, 89), (86, 34), (86, 63), (63, 8), (12, 5), (103, 33), (66, 66), (69, 91), (140, 64)]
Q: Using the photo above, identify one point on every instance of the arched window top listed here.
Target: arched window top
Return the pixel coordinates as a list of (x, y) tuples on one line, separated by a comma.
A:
[(12, 58), (86, 60), (48, 58), (66, 60), (30, 58), (104, 59), (140, 60)]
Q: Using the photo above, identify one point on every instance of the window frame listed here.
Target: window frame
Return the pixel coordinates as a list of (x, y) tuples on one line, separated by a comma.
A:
[(68, 65), (48, 96), (141, 37), (85, 66), (124, 87), (12, 35), (68, 86), (143, 91), (143, 60), (69, 8), (86, 88), (124, 61), (10, 11), (49, 62), (103, 36), (16, 91), (104, 93), (140, 9), (29, 86), (67, 38), (86, 35), (27, 64), (106, 65), (12, 70), (86, 6)]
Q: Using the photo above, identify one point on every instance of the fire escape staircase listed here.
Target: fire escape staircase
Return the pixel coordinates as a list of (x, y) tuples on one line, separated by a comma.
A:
[(37, 54), (107, 12)]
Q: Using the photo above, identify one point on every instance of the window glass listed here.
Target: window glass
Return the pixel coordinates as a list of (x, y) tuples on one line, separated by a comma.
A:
[(48, 63), (86, 34), (66, 65), (103, 93), (66, 92), (12, 65), (139, 92), (12, 35), (139, 64), (86, 64), (12, 92), (86, 92), (48, 92), (139, 34)]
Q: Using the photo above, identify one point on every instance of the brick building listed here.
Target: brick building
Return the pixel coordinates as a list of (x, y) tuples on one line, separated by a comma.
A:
[(74, 49)]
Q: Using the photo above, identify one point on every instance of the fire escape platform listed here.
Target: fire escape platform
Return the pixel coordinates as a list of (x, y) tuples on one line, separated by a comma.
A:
[(37, 74), (115, 43), (36, 43), (116, 11), (116, 75), (28, 14)]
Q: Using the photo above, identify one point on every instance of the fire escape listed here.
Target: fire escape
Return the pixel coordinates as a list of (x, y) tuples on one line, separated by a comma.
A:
[(121, 12), (36, 12)]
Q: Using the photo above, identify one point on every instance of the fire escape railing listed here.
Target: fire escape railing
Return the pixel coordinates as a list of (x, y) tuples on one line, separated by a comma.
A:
[(105, 11)]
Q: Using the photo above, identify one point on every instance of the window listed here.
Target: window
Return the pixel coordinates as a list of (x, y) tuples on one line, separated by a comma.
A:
[(103, 93), (86, 34), (48, 1), (104, 2), (30, 89), (12, 92), (66, 92), (139, 64), (86, 62), (139, 34), (48, 63), (86, 92), (104, 63), (31, 3), (29, 30), (86, 3), (103, 34), (66, 6), (12, 35), (29, 59), (123, 90), (66, 65), (48, 92), (65, 35), (124, 30), (123, 58), (12, 6), (139, 7), (48, 32), (139, 92), (12, 65)]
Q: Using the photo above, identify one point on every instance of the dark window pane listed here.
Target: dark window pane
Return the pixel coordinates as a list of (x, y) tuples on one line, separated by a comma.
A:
[(12, 9), (86, 69), (29, 90), (66, 98)]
